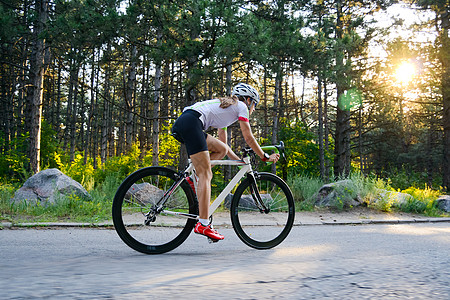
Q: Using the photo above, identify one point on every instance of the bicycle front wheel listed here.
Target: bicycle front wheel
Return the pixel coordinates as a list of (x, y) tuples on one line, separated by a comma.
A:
[(134, 216), (258, 228)]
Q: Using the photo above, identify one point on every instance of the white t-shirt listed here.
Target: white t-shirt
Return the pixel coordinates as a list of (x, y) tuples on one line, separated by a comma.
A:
[(214, 116)]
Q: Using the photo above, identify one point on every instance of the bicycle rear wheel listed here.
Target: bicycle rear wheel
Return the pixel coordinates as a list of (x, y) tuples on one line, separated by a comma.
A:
[(263, 229), (135, 198)]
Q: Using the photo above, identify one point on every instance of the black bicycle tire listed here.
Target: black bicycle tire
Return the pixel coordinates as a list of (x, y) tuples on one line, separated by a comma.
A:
[(235, 215), (117, 211)]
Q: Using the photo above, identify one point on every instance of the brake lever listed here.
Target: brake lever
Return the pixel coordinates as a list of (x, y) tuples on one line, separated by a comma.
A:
[(280, 149)]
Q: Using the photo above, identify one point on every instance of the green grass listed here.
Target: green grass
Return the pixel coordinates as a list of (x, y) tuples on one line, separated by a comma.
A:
[(373, 192), (304, 189), (70, 208)]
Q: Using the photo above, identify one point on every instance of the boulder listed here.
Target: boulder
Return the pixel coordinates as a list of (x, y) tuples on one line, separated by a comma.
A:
[(48, 186), (144, 193), (443, 203), (247, 201), (395, 198), (338, 194)]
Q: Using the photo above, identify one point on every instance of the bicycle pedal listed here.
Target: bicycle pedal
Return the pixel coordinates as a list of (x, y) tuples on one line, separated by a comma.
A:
[(210, 240)]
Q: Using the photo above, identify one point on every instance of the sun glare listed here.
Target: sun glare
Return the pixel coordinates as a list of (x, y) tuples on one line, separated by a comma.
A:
[(405, 72)]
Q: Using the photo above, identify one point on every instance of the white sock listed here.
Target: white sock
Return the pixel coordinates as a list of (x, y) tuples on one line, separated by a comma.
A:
[(205, 222)]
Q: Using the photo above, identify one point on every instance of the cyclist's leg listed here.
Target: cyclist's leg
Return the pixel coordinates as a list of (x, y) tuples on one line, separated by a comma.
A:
[(190, 128), (202, 166), (217, 149), (203, 171)]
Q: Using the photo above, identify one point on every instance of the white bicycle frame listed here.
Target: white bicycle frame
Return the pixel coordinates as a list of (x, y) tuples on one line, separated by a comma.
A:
[(246, 167)]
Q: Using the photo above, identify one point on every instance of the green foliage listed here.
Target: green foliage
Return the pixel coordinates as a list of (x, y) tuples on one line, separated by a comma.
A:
[(368, 187), (404, 178), (304, 188), (302, 152), (51, 153), (169, 149), (422, 201), (375, 192), (71, 208), (6, 193), (14, 163)]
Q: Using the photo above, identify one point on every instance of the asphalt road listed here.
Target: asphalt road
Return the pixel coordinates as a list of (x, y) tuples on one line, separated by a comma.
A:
[(403, 261)]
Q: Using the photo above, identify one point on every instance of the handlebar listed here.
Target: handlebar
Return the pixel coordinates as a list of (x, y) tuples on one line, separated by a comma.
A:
[(275, 148)]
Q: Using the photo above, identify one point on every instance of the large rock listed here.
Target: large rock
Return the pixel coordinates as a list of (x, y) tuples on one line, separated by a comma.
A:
[(144, 193), (247, 201), (394, 198), (343, 194), (48, 186), (338, 194), (443, 203)]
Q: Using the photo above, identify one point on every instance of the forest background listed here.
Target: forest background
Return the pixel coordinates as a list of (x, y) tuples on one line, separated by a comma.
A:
[(91, 87)]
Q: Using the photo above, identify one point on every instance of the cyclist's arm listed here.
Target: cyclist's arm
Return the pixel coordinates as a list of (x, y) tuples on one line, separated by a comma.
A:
[(251, 141), (222, 134)]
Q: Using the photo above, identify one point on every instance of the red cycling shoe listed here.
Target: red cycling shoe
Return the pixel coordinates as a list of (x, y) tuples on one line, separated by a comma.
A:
[(208, 231)]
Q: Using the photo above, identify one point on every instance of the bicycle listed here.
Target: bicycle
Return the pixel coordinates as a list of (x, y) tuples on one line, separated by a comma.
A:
[(156, 208)]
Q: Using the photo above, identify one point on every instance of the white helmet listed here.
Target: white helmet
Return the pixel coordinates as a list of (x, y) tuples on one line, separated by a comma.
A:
[(245, 90)]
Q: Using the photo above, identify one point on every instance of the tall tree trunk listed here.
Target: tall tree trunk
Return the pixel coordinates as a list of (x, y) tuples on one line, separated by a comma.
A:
[(148, 114), (165, 96), (90, 116), (342, 136), (7, 104), (444, 56), (266, 110), (192, 79), (106, 100), (82, 109), (111, 118), (429, 157), (144, 111), (96, 121), (276, 110), (326, 131), (37, 78), (130, 98), (320, 117), (228, 86), (360, 139), (302, 100), (156, 106), (74, 116), (58, 104), (156, 103)]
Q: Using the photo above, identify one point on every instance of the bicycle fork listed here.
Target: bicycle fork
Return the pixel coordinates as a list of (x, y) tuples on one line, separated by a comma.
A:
[(256, 195)]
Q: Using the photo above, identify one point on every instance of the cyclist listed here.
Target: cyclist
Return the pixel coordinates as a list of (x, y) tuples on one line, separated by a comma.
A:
[(202, 147)]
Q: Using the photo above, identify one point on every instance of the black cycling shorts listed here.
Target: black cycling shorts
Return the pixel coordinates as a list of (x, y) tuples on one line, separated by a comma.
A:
[(188, 129)]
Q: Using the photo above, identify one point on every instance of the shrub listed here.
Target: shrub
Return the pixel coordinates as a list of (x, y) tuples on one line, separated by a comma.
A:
[(422, 201), (304, 188)]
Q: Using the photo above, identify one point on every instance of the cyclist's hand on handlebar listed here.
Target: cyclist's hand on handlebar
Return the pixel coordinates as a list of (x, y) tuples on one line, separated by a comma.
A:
[(274, 157)]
